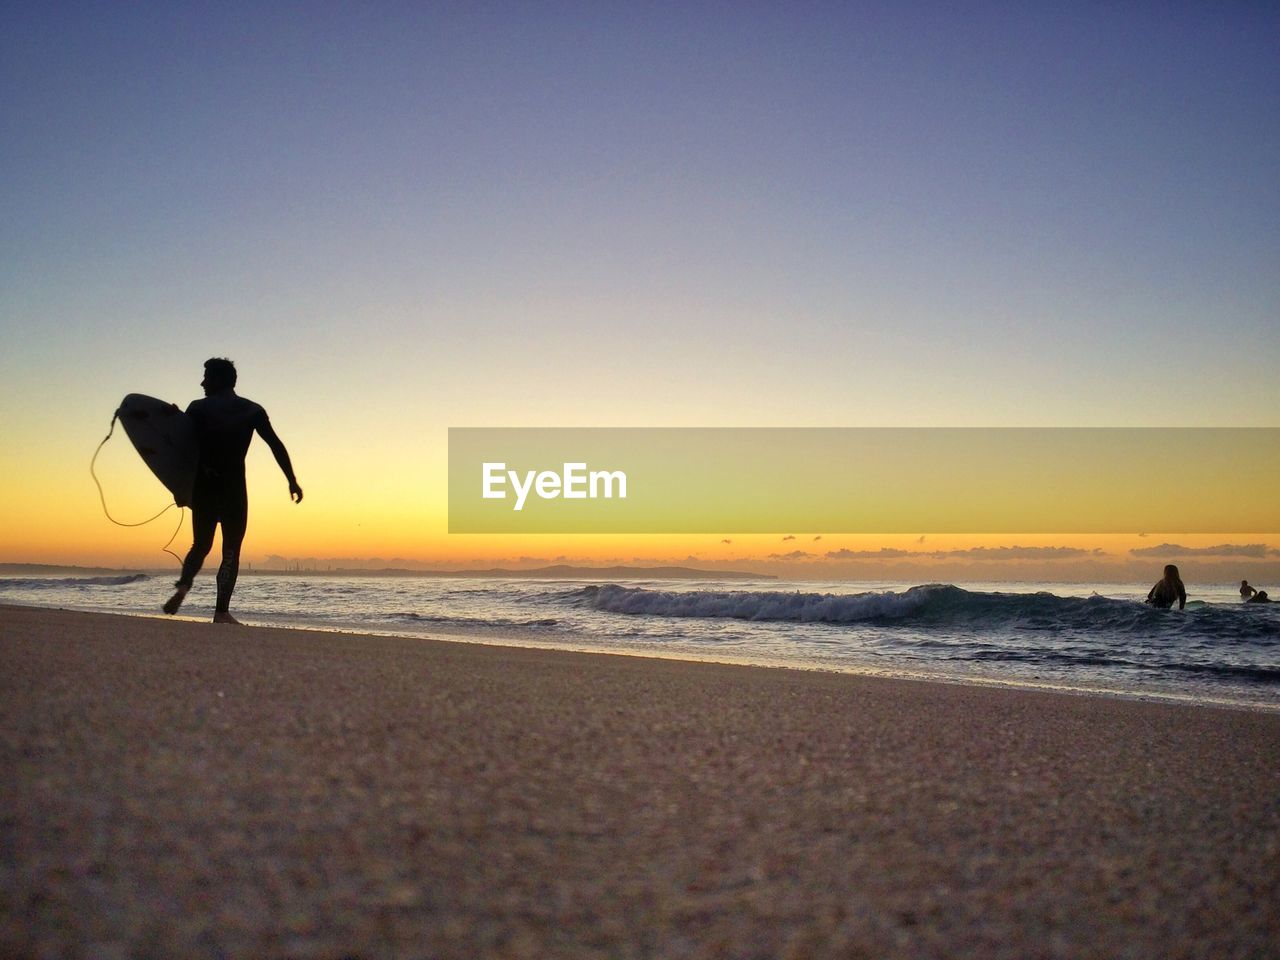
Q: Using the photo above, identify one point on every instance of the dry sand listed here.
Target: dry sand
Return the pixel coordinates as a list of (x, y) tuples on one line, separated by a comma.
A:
[(179, 789)]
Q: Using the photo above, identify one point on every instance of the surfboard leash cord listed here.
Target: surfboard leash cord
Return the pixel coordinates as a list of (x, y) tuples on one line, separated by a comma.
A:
[(141, 523)]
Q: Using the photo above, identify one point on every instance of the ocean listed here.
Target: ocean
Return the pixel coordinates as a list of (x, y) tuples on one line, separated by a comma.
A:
[(1095, 638)]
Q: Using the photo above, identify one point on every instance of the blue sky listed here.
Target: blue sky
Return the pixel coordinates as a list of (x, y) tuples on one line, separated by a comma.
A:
[(1084, 199)]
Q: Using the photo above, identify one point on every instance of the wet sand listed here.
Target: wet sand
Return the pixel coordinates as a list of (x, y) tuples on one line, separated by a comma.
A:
[(173, 788)]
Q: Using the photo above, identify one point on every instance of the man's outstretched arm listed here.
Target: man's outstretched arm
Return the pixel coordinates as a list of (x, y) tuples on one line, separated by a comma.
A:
[(282, 457)]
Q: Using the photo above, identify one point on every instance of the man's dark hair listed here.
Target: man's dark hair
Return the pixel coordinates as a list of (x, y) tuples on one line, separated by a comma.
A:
[(220, 372)]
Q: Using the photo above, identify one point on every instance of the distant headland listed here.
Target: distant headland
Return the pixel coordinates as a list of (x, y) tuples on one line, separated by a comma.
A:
[(554, 572)]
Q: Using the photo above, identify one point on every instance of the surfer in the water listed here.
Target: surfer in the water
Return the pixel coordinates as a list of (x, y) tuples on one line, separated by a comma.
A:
[(224, 426), (1169, 589)]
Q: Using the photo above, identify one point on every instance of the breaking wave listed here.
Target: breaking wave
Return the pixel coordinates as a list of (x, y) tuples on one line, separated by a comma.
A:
[(937, 605), (64, 582)]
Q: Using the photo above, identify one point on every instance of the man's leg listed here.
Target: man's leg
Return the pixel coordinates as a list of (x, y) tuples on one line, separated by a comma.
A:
[(204, 520), (235, 520)]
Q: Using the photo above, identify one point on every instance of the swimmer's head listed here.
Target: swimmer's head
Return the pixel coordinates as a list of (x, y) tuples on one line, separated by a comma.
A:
[(1171, 572)]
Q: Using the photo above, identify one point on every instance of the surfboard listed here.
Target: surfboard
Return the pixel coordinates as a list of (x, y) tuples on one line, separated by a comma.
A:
[(165, 438)]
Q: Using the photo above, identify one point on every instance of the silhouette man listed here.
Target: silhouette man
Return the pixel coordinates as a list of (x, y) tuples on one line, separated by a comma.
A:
[(224, 426)]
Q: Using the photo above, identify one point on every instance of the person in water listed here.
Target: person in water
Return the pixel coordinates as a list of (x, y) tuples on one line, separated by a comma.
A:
[(1246, 591), (1259, 596), (224, 427), (1168, 590)]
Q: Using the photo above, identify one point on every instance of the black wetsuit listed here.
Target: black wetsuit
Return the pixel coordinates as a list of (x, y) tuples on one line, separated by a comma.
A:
[(224, 426), (1165, 593)]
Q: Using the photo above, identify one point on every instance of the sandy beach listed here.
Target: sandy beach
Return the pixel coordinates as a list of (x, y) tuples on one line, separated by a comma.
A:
[(178, 789)]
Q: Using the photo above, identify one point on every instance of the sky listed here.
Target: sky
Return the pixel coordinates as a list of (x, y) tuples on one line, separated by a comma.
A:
[(400, 218)]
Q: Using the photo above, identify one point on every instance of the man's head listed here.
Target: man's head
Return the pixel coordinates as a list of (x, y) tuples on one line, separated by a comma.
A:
[(219, 374)]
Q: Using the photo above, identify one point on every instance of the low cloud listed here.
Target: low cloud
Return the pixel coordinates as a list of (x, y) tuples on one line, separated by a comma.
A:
[(973, 553), (884, 553), (1019, 553), (1253, 550), (793, 555)]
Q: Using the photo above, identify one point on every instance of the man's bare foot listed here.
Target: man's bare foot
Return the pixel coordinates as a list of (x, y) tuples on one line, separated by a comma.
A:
[(223, 617), (173, 603)]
